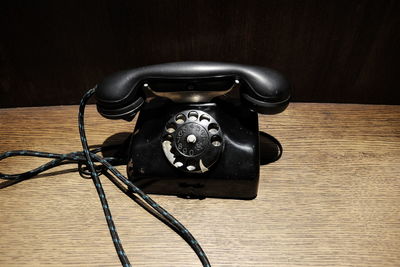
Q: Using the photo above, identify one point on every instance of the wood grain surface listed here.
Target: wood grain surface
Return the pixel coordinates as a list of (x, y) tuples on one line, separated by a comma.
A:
[(331, 200)]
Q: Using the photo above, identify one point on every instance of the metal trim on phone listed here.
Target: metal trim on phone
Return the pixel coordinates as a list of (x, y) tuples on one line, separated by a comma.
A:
[(189, 96)]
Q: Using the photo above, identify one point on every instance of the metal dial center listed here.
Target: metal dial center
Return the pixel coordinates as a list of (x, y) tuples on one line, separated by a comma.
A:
[(191, 138)]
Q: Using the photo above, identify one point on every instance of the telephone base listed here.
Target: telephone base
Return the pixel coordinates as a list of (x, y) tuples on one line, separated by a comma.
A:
[(234, 175)]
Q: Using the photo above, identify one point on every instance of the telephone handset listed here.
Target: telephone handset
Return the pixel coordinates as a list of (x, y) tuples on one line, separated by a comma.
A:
[(194, 137)]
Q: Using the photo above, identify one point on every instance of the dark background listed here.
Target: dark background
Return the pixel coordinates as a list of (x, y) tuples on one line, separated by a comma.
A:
[(51, 52)]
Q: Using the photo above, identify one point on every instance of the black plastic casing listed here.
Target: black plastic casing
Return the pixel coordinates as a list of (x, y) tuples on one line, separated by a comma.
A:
[(234, 175)]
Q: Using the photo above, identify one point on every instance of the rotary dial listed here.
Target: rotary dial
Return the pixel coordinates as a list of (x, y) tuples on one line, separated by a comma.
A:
[(192, 141)]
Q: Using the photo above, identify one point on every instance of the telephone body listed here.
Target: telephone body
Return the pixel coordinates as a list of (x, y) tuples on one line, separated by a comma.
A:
[(197, 132)]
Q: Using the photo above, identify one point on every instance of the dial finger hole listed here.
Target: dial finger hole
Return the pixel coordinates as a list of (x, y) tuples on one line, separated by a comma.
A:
[(190, 168), (191, 165), (213, 128), (178, 164), (167, 137), (180, 118), (216, 140), (205, 118), (171, 127), (193, 115)]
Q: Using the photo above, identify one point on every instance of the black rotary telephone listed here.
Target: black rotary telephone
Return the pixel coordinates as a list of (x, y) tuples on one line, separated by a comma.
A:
[(197, 132), (196, 136)]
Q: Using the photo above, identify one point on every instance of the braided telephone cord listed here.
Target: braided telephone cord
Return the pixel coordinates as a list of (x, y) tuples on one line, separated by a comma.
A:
[(88, 157)]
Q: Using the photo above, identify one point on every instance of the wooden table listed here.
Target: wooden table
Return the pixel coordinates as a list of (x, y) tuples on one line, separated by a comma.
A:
[(333, 199)]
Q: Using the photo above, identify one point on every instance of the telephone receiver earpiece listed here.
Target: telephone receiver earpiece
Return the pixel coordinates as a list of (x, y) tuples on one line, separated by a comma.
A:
[(121, 95)]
